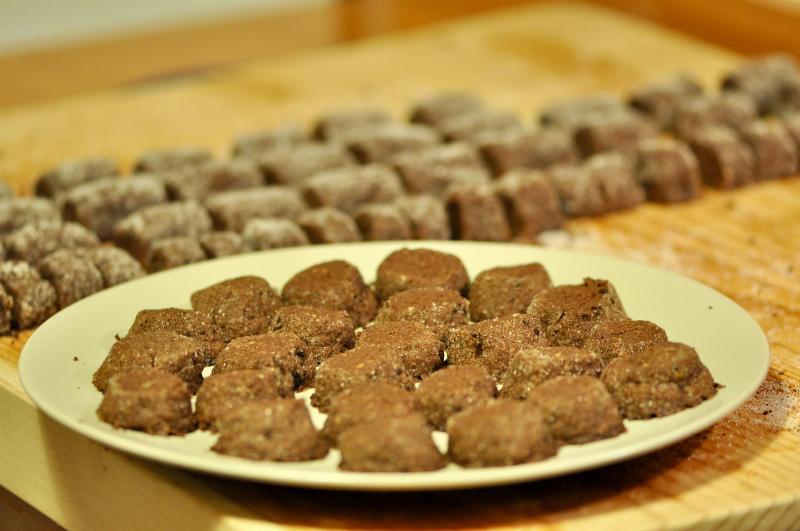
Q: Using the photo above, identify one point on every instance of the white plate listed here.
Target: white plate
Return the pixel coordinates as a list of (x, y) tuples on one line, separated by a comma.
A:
[(729, 342)]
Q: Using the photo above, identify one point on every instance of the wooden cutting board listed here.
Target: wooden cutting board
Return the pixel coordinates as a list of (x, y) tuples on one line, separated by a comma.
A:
[(743, 473)]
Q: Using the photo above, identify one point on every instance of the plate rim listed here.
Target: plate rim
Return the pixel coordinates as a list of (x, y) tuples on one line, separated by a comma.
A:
[(397, 481)]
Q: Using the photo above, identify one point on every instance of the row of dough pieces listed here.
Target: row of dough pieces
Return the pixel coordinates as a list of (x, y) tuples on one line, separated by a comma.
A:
[(451, 195)]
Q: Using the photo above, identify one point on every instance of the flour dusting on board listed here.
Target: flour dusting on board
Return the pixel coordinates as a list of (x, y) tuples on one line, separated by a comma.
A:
[(776, 405)]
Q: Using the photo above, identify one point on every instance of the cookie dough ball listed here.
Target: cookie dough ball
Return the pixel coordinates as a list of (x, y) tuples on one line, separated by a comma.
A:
[(72, 173), (427, 215), (499, 433), (337, 285), (140, 230), (776, 154), (357, 367), (390, 444), (668, 170), (418, 347), (612, 339), (16, 212), (277, 430), (174, 252), (148, 400), (32, 298), (171, 159), (476, 212), (241, 306), (327, 332), (658, 381), (619, 134), (254, 143), (531, 201), (363, 404), (6, 306), (420, 268), (35, 241), (382, 222), (99, 205), (272, 233), (441, 310), (338, 125), (451, 390), (439, 108), (577, 409), (73, 276), (232, 210), (529, 368), (524, 149), (725, 160), (282, 350), (382, 144), (492, 343), (166, 351), (115, 265), (187, 323), (219, 243), (658, 100), (329, 225), (567, 314), (503, 291), (221, 393)]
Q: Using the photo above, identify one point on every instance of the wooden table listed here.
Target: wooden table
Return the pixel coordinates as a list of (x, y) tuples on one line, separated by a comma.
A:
[(743, 473)]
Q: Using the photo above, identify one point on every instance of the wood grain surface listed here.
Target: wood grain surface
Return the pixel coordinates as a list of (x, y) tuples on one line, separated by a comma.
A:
[(743, 473)]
